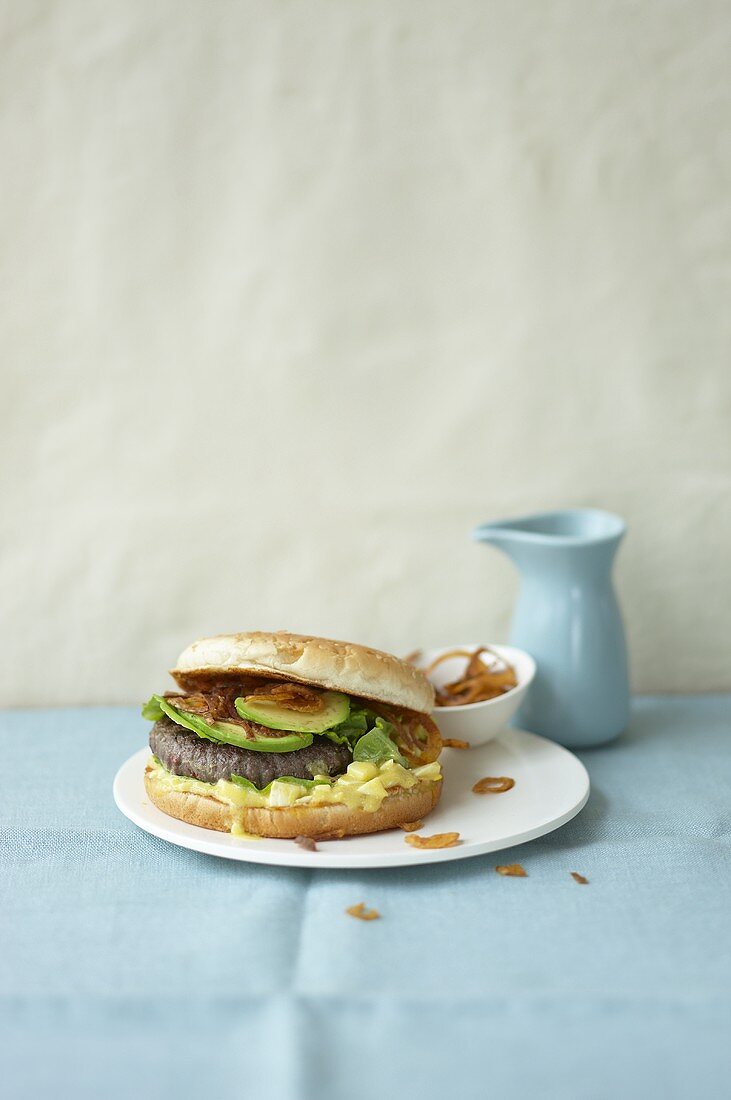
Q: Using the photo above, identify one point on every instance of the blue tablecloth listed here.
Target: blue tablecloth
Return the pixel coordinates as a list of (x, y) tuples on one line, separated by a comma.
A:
[(129, 967)]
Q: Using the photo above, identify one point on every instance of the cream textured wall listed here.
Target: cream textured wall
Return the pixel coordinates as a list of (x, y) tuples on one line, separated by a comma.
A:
[(294, 293)]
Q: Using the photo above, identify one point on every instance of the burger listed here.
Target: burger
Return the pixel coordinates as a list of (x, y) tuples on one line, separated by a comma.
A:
[(285, 735)]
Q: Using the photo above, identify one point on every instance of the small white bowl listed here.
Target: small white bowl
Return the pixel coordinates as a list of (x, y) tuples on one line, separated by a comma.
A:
[(478, 723)]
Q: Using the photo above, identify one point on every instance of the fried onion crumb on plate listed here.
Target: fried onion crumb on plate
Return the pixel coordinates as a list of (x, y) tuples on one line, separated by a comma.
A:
[(493, 784), (361, 913), (437, 840), (512, 870)]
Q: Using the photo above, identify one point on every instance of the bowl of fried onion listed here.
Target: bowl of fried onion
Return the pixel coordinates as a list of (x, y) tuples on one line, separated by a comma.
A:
[(478, 688)]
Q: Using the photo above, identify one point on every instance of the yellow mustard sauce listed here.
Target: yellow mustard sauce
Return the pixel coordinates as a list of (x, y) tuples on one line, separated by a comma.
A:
[(238, 830)]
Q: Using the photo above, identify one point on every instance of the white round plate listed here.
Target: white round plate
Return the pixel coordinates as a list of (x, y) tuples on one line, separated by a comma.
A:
[(551, 786)]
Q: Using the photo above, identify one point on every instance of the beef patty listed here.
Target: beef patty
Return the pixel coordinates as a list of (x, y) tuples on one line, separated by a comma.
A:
[(182, 752)]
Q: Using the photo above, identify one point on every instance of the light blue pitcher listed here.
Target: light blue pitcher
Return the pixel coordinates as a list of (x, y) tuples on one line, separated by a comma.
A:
[(567, 617)]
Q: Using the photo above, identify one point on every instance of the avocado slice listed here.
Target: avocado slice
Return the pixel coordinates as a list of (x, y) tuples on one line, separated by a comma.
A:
[(233, 735), (335, 711), (228, 733)]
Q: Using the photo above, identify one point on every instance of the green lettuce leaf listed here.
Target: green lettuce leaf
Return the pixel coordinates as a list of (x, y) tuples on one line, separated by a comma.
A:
[(241, 781), (377, 747), (152, 710), (355, 725), (368, 735)]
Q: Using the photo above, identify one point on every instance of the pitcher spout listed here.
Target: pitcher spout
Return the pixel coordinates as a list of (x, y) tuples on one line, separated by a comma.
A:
[(586, 533), (503, 536), (497, 534), (487, 532), (569, 527)]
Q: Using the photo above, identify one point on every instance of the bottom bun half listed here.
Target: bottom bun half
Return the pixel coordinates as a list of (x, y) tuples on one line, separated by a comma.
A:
[(287, 822)]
